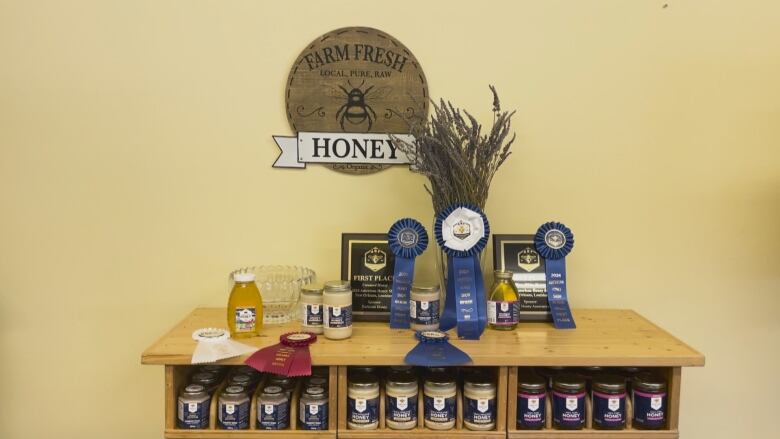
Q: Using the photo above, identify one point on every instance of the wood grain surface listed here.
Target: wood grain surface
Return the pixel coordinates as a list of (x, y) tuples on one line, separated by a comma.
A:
[(602, 338)]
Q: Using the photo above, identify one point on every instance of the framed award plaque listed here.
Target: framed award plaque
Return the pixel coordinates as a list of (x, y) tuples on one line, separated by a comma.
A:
[(517, 254), (368, 264)]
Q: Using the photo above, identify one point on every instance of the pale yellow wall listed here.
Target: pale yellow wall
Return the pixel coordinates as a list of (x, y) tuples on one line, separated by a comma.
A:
[(135, 172)]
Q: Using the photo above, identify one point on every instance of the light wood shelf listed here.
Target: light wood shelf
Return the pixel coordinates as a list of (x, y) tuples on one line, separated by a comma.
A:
[(602, 338)]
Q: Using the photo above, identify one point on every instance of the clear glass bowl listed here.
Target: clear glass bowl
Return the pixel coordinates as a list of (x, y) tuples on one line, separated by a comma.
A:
[(280, 287)]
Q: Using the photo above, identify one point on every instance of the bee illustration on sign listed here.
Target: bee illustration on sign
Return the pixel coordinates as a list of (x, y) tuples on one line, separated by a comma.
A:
[(375, 259), (357, 110)]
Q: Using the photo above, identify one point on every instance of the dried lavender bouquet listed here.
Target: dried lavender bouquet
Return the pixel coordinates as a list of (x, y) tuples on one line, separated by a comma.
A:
[(458, 159)]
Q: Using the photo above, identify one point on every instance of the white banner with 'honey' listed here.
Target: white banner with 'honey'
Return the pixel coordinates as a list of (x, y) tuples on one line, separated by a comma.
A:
[(311, 147)]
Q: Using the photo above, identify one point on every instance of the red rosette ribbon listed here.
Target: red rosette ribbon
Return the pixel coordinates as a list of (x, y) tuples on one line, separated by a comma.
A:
[(290, 357)]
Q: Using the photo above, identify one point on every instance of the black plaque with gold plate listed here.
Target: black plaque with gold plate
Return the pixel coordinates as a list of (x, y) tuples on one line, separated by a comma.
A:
[(517, 254), (368, 264)]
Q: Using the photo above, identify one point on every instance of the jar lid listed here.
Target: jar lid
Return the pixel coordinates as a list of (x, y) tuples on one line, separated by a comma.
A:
[(439, 379), (630, 370), (609, 383), (502, 274), (234, 390), (425, 288), (532, 383), (317, 381), (402, 377), (311, 289), (569, 381), (243, 277), (649, 381), (363, 380), (479, 379), (272, 390), (246, 370), (315, 391), (240, 378), (480, 385), (204, 377), (337, 286), (361, 369), (213, 368), (194, 388)]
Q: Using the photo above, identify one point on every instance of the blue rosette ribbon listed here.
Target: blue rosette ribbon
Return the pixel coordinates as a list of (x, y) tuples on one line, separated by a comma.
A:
[(407, 239), (435, 350), (554, 241), (462, 232)]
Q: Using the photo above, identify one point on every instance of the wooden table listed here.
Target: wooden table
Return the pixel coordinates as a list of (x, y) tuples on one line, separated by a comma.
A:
[(602, 338)]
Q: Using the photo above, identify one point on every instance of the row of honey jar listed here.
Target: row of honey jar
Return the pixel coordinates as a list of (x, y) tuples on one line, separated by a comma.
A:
[(234, 401), (439, 397), (606, 388)]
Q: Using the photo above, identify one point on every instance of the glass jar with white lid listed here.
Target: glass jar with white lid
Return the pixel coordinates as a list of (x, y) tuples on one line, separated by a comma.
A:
[(363, 402), (401, 391), (479, 402), (337, 309), (311, 308), (439, 401)]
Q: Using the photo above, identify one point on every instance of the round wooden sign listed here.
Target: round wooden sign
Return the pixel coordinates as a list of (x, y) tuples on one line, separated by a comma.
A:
[(356, 80)]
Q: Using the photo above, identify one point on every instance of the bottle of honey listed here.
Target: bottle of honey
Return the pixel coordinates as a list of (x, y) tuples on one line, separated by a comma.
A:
[(502, 306), (245, 307)]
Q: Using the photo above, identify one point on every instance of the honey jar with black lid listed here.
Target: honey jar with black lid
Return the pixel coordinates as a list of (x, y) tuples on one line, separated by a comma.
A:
[(568, 401), (649, 400), (608, 399)]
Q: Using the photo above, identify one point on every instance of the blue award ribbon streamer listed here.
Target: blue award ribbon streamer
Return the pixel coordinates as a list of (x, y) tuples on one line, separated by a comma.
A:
[(462, 231), (434, 350), (407, 239), (554, 241)]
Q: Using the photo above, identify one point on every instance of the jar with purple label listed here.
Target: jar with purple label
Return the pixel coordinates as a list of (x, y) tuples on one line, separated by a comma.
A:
[(649, 398), (609, 402), (503, 305), (568, 402), (531, 396)]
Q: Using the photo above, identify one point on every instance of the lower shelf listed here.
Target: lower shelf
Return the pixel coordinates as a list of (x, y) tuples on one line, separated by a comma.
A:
[(672, 375), (593, 434), (419, 432), (177, 376), (248, 434), (505, 378), (459, 430)]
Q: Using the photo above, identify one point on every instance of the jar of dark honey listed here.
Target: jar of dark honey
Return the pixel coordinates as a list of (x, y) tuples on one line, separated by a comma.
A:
[(649, 398), (608, 398), (531, 407), (568, 402)]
